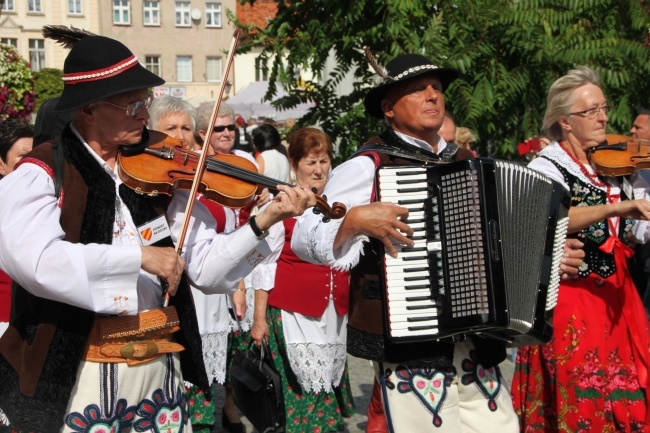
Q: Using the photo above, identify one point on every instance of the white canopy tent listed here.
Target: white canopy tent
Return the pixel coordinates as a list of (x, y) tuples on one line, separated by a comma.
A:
[(248, 102)]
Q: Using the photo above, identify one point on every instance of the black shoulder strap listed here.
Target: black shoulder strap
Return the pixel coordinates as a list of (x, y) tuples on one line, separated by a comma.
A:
[(390, 144), (397, 152), (57, 162)]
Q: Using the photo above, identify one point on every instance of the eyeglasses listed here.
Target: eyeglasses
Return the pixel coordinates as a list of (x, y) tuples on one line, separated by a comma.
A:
[(592, 113), (133, 107), (221, 128)]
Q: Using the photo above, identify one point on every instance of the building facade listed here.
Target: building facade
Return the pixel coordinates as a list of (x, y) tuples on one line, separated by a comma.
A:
[(185, 42)]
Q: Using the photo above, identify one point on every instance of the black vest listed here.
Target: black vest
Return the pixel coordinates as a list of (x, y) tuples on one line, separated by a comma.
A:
[(43, 347)]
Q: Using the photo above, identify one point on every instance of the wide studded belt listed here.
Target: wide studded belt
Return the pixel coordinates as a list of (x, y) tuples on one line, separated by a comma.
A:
[(133, 339)]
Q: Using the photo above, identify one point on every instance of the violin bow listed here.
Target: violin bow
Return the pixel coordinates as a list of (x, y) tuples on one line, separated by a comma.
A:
[(200, 167)]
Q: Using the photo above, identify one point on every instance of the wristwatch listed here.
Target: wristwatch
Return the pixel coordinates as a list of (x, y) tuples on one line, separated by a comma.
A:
[(256, 229)]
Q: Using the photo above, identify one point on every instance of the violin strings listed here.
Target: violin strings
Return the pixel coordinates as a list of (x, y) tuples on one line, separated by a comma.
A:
[(238, 171)]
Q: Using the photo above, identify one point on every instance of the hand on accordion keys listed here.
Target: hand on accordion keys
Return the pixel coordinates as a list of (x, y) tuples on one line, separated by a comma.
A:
[(572, 260), (379, 220)]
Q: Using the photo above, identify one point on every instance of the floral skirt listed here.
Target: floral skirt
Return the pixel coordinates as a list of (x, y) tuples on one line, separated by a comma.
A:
[(307, 412), (585, 378)]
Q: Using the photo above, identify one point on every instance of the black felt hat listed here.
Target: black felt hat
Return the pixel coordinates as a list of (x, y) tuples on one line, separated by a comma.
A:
[(403, 68), (98, 67)]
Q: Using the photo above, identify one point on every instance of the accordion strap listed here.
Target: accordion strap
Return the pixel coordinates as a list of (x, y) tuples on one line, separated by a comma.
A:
[(388, 143)]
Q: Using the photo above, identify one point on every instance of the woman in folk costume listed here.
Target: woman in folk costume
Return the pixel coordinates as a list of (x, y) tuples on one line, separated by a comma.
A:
[(218, 328), (305, 322), (89, 346), (593, 374)]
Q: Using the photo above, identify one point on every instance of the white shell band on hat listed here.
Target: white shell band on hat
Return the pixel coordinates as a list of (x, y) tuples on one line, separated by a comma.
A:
[(99, 74), (412, 70)]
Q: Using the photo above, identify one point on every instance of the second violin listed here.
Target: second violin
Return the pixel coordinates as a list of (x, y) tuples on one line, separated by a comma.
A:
[(620, 156)]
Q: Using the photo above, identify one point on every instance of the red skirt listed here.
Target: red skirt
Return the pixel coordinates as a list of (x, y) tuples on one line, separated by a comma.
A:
[(586, 379)]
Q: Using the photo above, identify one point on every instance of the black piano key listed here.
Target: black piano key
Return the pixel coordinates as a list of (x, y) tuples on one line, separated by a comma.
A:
[(417, 286), (411, 201), (425, 268), (417, 298), (421, 319), (414, 249), (408, 181), (420, 328), (414, 221), (420, 307), (416, 278), (410, 190)]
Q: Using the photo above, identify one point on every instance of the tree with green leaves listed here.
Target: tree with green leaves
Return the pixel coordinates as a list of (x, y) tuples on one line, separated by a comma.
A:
[(508, 51), (48, 83), (16, 85)]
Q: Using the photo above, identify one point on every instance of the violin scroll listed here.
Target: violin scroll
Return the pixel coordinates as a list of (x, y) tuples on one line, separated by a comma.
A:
[(336, 211)]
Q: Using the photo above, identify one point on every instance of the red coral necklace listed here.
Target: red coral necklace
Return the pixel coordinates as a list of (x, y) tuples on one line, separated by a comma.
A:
[(591, 176)]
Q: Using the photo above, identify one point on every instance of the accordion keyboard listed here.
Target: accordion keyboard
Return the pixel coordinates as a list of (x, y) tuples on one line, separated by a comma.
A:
[(415, 277)]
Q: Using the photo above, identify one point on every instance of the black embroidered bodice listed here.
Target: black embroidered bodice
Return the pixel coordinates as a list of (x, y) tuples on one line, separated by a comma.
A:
[(587, 194)]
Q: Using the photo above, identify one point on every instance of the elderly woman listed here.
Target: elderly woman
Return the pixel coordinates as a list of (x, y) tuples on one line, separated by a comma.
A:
[(305, 323), (593, 374), (219, 333), (174, 117)]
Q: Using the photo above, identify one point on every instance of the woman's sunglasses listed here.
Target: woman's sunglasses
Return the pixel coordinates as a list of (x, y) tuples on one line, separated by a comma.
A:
[(221, 128)]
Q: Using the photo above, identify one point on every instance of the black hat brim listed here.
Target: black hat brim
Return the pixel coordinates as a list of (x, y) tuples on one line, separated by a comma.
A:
[(373, 98)]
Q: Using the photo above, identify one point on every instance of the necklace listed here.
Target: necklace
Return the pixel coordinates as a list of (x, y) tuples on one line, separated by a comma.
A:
[(593, 177)]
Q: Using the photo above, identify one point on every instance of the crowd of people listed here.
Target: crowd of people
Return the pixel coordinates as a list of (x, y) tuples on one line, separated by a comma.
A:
[(87, 264)]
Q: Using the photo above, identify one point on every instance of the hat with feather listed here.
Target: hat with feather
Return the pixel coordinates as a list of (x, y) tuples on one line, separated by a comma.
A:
[(96, 67), (402, 68)]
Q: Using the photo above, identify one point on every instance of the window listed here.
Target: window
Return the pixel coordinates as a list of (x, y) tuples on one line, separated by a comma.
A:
[(184, 69), (183, 14), (8, 6), (213, 69), (34, 6), (213, 14), (121, 12), (37, 54), (9, 41), (261, 72), (152, 64), (74, 7), (151, 15)]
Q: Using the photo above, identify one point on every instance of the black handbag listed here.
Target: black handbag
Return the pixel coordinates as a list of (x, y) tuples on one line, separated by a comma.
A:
[(257, 389), (256, 385)]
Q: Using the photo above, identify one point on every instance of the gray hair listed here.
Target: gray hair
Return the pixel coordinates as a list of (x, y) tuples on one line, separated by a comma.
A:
[(166, 105), (204, 112), (560, 100)]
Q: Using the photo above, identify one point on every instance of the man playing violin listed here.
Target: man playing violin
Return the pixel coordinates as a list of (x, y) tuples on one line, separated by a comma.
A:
[(89, 344)]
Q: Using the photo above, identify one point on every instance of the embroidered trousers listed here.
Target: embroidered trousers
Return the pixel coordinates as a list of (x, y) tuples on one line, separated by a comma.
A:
[(466, 398), (148, 397)]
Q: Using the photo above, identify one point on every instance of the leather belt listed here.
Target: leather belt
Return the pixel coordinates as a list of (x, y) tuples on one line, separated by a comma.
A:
[(133, 339)]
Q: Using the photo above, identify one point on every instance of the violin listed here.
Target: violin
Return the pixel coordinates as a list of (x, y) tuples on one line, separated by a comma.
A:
[(164, 165), (620, 155)]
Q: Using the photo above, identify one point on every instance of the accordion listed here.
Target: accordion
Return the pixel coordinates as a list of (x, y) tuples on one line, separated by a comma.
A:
[(489, 236)]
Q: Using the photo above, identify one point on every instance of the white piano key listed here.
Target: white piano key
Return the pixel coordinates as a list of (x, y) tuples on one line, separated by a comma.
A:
[(396, 297), (409, 333), (408, 276), (397, 285)]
